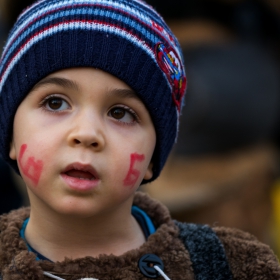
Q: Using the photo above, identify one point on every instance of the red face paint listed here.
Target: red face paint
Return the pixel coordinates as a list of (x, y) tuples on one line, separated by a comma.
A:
[(31, 169), (133, 174)]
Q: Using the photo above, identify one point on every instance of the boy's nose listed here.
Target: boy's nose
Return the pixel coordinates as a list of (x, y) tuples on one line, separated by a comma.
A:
[(87, 131)]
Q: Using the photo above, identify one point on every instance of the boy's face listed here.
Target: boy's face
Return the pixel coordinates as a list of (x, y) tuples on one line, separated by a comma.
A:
[(83, 142)]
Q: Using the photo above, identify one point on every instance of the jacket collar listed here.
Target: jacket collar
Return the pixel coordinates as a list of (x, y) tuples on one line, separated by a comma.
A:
[(15, 260)]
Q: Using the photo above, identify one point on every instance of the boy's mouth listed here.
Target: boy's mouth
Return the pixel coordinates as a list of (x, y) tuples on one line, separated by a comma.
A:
[(80, 171), (84, 175)]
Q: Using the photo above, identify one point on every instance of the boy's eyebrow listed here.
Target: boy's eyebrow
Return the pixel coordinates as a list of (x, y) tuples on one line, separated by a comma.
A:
[(66, 83), (70, 84), (123, 93)]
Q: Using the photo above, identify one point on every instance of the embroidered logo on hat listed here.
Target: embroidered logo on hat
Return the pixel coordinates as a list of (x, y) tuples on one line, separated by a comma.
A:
[(170, 64), (162, 30)]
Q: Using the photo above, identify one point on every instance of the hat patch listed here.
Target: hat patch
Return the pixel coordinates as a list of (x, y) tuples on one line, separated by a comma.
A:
[(163, 31), (170, 64)]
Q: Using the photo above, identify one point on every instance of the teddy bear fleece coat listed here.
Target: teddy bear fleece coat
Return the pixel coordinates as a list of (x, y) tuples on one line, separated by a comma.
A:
[(245, 256)]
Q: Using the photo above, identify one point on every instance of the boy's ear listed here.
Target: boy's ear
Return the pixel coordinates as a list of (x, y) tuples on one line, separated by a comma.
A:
[(12, 152), (149, 172)]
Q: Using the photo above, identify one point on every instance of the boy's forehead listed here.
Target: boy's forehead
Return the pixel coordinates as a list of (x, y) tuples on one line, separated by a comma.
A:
[(75, 83)]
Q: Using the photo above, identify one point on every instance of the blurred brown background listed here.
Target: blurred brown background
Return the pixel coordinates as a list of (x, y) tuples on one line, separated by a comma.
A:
[(225, 166)]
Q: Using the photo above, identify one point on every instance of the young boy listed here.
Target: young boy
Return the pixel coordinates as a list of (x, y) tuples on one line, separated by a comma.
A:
[(90, 94)]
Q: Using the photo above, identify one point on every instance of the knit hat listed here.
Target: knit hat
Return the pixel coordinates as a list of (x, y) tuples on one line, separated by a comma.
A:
[(126, 38)]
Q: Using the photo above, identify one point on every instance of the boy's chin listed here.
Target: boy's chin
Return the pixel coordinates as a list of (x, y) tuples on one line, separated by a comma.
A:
[(82, 211)]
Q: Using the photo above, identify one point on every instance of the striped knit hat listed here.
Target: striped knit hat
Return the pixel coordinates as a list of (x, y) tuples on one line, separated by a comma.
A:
[(126, 38)]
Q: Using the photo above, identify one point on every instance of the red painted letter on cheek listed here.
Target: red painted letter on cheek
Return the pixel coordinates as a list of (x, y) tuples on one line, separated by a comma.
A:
[(133, 174), (30, 165)]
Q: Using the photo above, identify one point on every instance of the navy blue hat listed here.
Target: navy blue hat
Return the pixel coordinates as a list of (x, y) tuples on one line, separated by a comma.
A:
[(126, 38)]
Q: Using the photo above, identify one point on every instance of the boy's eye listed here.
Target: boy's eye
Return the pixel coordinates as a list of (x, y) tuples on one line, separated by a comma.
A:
[(123, 115), (118, 113), (56, 104)]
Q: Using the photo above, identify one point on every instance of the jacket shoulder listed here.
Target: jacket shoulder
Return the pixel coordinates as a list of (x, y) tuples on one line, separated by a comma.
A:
[(248, 258)]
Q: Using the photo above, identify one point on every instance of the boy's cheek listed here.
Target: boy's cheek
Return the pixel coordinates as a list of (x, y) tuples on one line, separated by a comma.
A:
[(30, 167), (134, 170)]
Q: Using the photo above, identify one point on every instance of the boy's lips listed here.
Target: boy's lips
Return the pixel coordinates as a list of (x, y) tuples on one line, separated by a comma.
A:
[(81, 177), (79, 170), (80, 174)]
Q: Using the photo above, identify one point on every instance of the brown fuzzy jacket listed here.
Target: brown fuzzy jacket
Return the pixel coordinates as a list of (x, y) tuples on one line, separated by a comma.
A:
[(247, 258)]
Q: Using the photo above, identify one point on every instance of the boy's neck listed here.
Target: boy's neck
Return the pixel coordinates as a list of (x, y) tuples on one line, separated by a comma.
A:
[(58, 236)]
